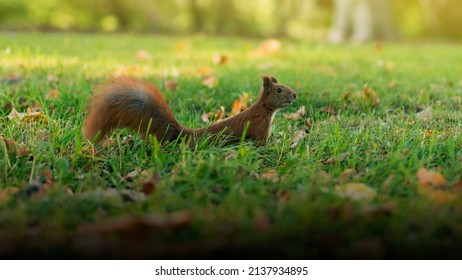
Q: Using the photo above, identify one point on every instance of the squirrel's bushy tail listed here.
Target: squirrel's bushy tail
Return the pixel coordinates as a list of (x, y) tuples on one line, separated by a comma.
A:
[(130, 103)]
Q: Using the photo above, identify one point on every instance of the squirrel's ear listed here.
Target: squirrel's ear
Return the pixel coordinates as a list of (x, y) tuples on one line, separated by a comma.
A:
[(273, 79), (267, 83)]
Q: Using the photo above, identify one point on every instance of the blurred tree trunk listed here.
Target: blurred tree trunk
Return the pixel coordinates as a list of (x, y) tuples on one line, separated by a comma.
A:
[(197, 16), (227, 17)]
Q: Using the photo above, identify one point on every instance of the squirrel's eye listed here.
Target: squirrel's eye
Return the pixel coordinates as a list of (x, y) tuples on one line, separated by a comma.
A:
[(279, 90)]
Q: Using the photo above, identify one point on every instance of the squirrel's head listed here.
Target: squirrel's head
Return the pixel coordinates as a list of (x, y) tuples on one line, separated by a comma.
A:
[(276, 95)]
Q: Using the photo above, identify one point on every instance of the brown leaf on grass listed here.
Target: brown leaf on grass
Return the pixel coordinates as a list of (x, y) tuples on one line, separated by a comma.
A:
[(170, 85), (143, 55), (108, 142), (29, 116), (127, 140), (298, 115), (133, 70), (370, 96), (150, 185), (204, 72), (210, 81), (339, 158), (267, 47), (270, 175), (346, 175), (52, 78), (205, 118), (220, 59), (329, 109), (308, 125), (265, 66), (230, 156), (428, 178), (22, 150), (240, 104), (53, 94), (437, 196), (298, 137), (356, 191), (392, 84), (425, 115), (215, 116)]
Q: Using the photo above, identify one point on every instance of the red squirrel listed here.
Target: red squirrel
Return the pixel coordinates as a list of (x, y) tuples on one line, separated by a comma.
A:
[(136, 104)]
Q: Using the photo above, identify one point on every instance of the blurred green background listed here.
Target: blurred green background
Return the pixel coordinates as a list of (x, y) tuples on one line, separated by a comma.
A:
[(297, 19)]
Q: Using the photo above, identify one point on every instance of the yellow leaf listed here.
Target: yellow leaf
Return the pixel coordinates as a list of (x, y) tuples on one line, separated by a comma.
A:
[(356, 191)]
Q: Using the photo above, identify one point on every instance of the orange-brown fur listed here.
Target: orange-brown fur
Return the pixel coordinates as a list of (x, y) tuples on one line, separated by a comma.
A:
[(133, 103)]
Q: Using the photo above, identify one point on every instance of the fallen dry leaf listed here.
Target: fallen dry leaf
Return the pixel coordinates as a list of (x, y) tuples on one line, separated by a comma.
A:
[(143, 55), (356, 191), (131, 175), (210, 81), (392, 84), (338, 158), (298, 137), (270, 175), (108, 142), (267, 47), (170, 85), (240, 104), (53, 94), (370, 96), (215, 116), (346, 175), (230, 156), (205, 118), (428, 178), (150, 185), (437, 195), (28, 116), (329, 109), (22, 150), (52, 78), (220, 59), (298, 115), (425, 115)]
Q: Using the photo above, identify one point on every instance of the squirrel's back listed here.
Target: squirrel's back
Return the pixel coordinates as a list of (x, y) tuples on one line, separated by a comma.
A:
[(132, 103)]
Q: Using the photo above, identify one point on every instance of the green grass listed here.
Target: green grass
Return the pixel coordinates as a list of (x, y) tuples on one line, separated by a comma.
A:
[(234, 212)]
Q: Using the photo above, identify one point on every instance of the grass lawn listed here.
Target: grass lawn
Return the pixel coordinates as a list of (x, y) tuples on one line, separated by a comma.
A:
[(377, 176)]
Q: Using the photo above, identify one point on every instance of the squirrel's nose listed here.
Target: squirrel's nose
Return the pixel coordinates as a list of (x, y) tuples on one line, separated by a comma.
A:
[(294, 95)]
